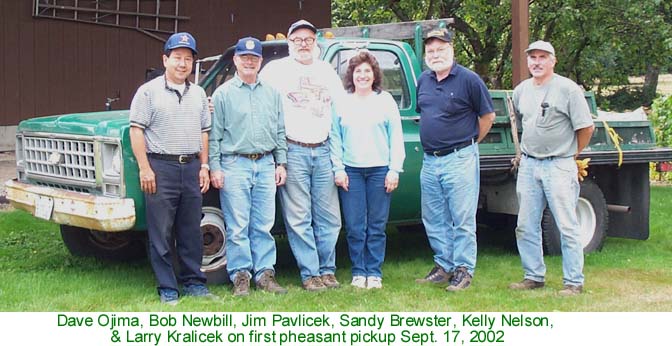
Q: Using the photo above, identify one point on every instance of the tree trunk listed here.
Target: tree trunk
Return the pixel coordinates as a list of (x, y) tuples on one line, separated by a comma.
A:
[(650, 84)]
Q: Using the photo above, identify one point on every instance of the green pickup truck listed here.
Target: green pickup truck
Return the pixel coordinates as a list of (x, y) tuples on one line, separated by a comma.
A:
[(78, 170)]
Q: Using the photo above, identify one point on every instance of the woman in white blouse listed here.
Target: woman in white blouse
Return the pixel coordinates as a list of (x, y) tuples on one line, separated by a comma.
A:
[(367, 152)]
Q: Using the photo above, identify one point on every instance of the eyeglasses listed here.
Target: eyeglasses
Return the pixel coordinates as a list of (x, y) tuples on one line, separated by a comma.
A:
[(298, 40), (249, 58)]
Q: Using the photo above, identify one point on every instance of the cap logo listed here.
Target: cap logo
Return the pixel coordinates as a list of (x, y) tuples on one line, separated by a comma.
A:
[(438, 32), (249, 44), (184, 39)]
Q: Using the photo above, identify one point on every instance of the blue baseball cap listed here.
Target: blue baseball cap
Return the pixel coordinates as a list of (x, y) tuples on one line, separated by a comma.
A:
[(248, 45), (301, 24), (180, 40)]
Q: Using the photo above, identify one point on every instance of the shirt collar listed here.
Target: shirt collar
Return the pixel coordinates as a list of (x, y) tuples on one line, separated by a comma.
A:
[(239, 82), (454, 71), (165, 83)]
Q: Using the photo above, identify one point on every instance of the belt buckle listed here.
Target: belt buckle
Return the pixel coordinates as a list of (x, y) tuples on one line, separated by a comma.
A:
[(183, 159), (253, 157)]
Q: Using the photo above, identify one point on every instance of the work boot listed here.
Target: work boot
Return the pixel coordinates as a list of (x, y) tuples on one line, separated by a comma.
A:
[(267, 283), (241, 284), (460, 281), (330, 281), (526, 284), (571, 290), (313, 284), (436, 276)]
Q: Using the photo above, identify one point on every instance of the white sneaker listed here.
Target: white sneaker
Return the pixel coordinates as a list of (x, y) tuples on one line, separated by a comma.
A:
[(358, 281), (374, 282)]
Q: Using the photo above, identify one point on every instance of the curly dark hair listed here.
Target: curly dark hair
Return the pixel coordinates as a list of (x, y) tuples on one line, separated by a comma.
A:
[(358, 59)]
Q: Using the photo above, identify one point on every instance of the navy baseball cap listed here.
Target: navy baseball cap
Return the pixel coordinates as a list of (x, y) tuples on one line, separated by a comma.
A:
[(248, 45), (301, 24), (442, 34), (180, 40)]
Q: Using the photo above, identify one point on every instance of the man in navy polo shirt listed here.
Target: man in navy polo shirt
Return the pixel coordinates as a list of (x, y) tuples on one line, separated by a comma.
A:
[(456, 113)]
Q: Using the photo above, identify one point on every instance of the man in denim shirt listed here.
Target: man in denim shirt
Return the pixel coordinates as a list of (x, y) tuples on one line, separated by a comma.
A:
[(248, 156), (557, 125)]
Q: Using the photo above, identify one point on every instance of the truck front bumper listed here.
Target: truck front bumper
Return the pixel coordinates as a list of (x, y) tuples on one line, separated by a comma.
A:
[(72, 208)]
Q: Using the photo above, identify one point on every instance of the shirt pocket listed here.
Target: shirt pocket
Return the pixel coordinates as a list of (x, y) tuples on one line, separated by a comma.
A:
[(451, 103), (551, 118)]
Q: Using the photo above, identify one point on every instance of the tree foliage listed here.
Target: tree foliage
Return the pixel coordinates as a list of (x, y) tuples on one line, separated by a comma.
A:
[(599, 43)]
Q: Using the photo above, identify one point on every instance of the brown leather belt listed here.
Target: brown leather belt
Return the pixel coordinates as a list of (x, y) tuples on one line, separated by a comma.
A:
[(254, 156), (308, 145), (186, 158)]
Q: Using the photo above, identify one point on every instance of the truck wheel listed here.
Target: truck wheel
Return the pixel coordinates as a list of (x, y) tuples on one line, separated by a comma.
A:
[(116, 246), (214, 245), (592, 214)]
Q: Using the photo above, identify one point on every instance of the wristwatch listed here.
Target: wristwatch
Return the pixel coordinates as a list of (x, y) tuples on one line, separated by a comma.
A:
[(205, 165), (283, 165)]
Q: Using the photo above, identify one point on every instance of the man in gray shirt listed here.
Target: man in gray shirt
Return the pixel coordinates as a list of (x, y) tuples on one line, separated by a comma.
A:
[(557, 126)]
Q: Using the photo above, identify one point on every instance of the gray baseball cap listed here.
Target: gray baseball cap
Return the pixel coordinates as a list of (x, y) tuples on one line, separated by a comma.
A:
[(541, 45)]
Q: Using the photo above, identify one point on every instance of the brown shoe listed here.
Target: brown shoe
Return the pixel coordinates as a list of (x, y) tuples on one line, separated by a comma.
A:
[(436, 276), (330, 281), (267, 283), (314, 284), (526, 284), (460, 281), (570, 290), (241, 284)]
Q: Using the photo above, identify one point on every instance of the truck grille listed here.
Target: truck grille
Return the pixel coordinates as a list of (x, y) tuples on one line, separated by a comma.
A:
[(69, 159)]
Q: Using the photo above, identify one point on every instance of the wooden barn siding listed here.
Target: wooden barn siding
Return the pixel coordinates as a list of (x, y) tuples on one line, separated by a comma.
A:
[(51, 66)]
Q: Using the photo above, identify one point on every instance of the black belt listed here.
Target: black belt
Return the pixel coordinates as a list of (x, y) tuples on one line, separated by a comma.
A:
[(539, 158), (185, 158), (254, 156), (451, 149), (308, 145)]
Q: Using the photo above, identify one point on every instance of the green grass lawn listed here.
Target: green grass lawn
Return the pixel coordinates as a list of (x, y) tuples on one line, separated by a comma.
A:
[(38, 274)]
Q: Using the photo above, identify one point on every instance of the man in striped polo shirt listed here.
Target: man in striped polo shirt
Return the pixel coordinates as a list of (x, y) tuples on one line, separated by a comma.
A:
[(169, 135)]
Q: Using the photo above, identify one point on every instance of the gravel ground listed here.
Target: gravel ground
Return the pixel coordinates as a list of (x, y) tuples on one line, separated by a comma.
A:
[(7, 171)]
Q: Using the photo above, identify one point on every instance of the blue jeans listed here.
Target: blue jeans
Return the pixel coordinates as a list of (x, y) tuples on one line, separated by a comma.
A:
[(366, 207), (248, 203), (553, 182), (175, 205), (449, 186), (310, 207)]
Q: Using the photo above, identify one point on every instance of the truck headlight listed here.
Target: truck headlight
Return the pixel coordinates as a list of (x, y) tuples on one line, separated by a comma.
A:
[(116, 160), (111, 159)]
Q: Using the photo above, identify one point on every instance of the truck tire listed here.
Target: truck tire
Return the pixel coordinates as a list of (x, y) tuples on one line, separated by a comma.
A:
[(115, 246), (214, 260), (593, 221)]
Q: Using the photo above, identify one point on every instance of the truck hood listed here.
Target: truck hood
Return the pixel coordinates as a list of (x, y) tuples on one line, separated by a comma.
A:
[(106, 124)]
